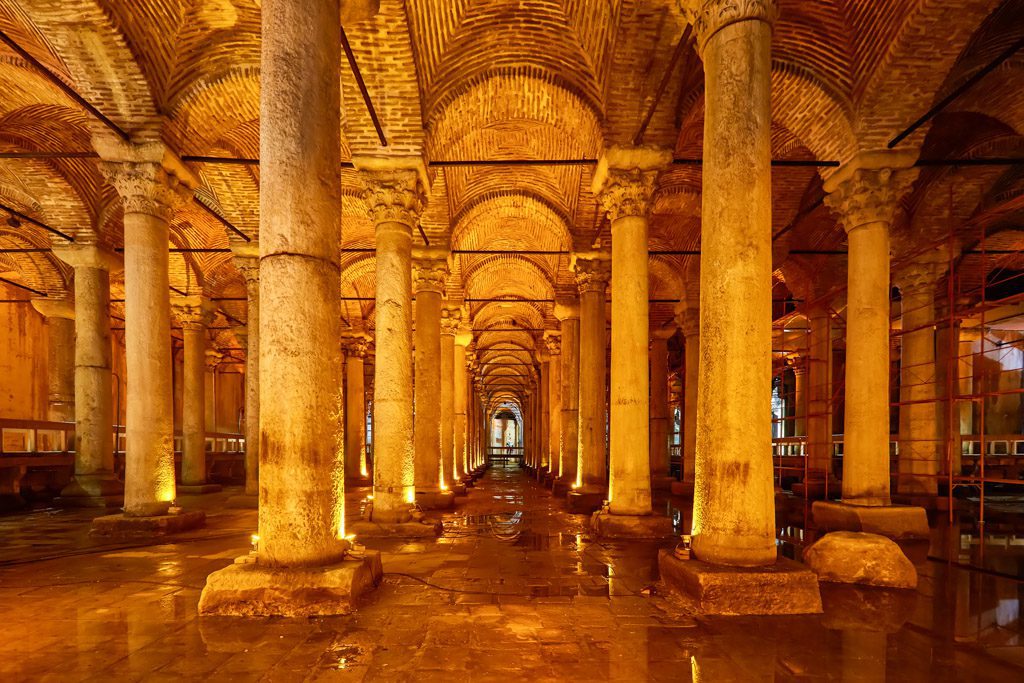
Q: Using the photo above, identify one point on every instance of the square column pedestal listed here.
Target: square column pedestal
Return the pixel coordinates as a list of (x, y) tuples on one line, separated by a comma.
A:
[(786, 587), (894, 521), (435, 500), (247, 589), (584, 502), (606, 525), (123, 526)]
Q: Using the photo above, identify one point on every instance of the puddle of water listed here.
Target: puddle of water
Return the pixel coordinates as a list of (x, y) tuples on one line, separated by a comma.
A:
[(340, 657)]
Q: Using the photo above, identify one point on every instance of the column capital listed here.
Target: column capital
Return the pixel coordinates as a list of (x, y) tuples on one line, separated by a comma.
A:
[(922, 274), (149, 178), (592, 270), (88, 256), (451, 320), (553, 340), (708, 17), (625, 179), (566, 310), (869, 188), (429, 273), (464, 337), (213, 359), (50, 307), (355, 345), (247, 259), (395, 189), (193, 312)]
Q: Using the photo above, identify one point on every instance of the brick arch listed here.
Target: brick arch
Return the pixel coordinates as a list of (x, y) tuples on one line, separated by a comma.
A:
[(40, 271), (508, 276)]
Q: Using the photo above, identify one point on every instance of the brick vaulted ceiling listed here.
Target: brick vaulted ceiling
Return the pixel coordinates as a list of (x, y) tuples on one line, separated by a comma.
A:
[(508, 80)]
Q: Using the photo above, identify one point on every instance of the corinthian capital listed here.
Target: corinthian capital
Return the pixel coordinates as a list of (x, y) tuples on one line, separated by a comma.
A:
[(592, 271), (451, 320), (247, 260), (149, 178), (923, 273), (193, 312), (625, 180), (869, 188), (429, 274), (708, 17), (394, 196), (553, 341)]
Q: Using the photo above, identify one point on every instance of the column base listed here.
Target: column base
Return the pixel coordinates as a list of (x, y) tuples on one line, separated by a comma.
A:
[(435, 500), (123, 526), (244, 501), (560, 488), (682, 488), (892, 521), (662, 482), (468, 480), (425, 528), (785, 587), (248, 589), (606, 525), (198, 489), (459, 489), (93, 491), (584, 502)]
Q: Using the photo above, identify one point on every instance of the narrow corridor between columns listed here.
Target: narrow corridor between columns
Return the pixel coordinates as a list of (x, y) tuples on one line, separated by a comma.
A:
[(516, 586)]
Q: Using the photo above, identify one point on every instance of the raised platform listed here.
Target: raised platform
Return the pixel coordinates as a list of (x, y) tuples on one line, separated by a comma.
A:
[(893, 521), (786, 587), (248, 589), (198, 489), (411, 529), (123, 526), (606, 525), (435, 500), (582, 502)]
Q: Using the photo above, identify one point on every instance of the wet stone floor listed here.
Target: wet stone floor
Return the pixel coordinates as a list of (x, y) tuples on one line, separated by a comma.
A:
[(515, 589)]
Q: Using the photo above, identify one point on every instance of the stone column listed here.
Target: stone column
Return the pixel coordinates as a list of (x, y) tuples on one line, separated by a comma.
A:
[(94, 483), (152, 183), (624, 183), (569, 449), (919, 412), (212, 358), (356, 471), (734, 387), (592, 272), (395, 198), (451, 319), (658, 431), (248, 263), (553, 342), (60, 363), (865, 194), (819, 409), (428, 277), (193, 313), (463, 424), (542, 401), (799, 399), (691, 381), (483, 427)]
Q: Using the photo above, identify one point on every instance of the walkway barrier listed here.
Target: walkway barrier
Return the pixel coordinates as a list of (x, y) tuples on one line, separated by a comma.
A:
[(505, 454)]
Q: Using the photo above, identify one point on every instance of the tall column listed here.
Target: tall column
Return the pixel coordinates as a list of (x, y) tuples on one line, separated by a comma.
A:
[(483, 425), (799, 399), (356, 469), (60, 363), (395, 198), (248, 263), (152, 183), (659, 408), (865, 194), (734, 436), (592, 272), (94, 483), (212, 358), (819, 393), (464, 423), (193, 313), (428, 276), (451, 319), (691, 381), (568, 314), (542, 408), (919, 411), (553, 342), (624, 183)]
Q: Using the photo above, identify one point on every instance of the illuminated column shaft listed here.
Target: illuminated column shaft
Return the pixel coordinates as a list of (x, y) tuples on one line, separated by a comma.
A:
[(247, 261), (451, 318), (428, 283), (691, 348), (543, 402), (819, 390), (301, 476), (396, 199), (865, 194), (193, 312), (355, 409), (734, 388), (659, 403), (460, 399), (800, 401), (553, 446), (152, 183), (592, 272), (624, 183)]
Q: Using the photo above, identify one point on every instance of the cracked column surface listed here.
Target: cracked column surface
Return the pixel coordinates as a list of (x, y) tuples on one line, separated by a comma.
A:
[(734, 389), (592, 272), (247, 261), (355, 409), (94, 478), (395, 198), (428, 276), (152, 184), (624, 183), (193, 313)]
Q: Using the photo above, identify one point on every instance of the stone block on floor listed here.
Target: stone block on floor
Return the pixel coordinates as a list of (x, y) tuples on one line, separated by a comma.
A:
[(249, 589), (892, 521), (561, 487), (435, 500), (786, 587), (427, 528), (198, 489), (582, 502), (123, 526), (606, 525), (857, 557)]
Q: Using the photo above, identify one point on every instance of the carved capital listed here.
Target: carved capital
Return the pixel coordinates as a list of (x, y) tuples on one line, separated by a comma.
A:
[(146, 187), (192, 312), (627, 193), (920, 276), (553, 342), (451, 320), (592, 272), (429, 274), (394, 196), (213, 359), (355, 346), (869, 189), (708, 17)]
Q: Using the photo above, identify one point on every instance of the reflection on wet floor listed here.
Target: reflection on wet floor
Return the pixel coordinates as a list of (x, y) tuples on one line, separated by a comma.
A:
[(515, 587)]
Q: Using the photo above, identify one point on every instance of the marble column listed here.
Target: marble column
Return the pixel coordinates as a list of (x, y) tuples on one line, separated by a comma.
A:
[(919, 409), (428, 278), (865, 194), (553, 342), (152, 184), (483, 426), (819, 393), (799, 398), (94, 483), (193, 313), (212, 360), (734, 447), (395, 198), (248, 263), (542, 408), (464, 423), (624, 184), (569, 453), (60, 359), (451, 319), (356, 469), (691, 381), (592, 272), (658, 430)]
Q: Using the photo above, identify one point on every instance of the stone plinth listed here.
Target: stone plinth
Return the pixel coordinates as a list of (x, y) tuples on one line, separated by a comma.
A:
[(459, 489), (785, 587), (123, 526), (248, 589), (855, 557), (583, 502), (92, 491), (606, 525), (198, 489), (435, 500), (244, 502), (893, 521), (428, 528)]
